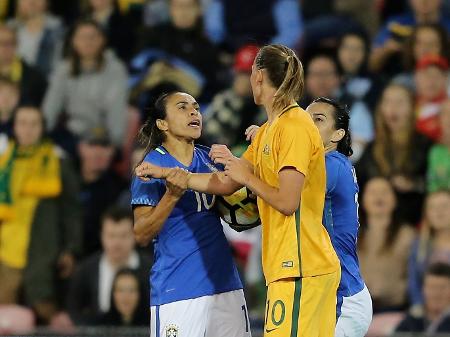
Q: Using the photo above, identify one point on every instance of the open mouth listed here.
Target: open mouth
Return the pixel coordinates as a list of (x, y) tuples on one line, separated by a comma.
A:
[(195, 124)]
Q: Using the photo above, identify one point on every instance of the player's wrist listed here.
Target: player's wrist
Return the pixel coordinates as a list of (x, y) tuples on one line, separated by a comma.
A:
[(188, 180)]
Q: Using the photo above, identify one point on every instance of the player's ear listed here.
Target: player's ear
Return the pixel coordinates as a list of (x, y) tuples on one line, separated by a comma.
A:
[(259, 75), (162, 124), (337, 135)]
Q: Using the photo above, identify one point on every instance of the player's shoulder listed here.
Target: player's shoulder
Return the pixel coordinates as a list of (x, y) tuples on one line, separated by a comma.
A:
[(295, 122), (337, 159), (159, 155), (296, 118), (339, 168)]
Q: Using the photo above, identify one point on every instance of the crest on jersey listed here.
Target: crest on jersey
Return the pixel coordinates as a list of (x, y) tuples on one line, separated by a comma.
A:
[(171, 331), (266, 150)]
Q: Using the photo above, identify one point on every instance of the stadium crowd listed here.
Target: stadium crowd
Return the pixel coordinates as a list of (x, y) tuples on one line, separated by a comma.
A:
[(76, 78)]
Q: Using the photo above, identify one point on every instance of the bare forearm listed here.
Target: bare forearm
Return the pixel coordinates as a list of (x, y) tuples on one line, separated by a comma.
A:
[(282, 202), (212, 183), (149, 225)]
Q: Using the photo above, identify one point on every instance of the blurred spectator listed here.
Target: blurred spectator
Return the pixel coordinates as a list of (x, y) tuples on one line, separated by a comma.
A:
[(433, 244), (117, 26), (156, 12), (40, 230), (40, 34), (347, 16), (89, 86), (390, 40), (426, 39), (9, 98), (31, 82), (100, 185), (384, 246), (438, 174), (398, 151), (233, 109), (90, 291), (436, 291), (311, 9), (390, 8), (431, 79), (183, 38), (235, 23), (68, 10), (323, 80), (357, 82), (129, 304)]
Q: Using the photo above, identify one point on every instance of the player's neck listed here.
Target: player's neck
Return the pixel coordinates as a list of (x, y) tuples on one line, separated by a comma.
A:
[(267, 99), (330, 147), (180, 149)]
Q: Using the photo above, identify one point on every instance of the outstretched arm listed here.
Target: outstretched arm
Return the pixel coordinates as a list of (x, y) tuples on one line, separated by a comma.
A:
[(212, 183), (285, 197)]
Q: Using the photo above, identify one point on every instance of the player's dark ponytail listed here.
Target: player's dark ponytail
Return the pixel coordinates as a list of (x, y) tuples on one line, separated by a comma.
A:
[(341, 121), (149, 134)]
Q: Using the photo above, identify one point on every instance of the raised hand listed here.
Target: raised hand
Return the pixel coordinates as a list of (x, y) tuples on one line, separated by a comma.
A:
[(251, 132), (237, 170), (220, 154)]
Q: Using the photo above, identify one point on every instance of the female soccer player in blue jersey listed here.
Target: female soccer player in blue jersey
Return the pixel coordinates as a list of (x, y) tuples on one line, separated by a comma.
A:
[(195, 287), (354, 305)]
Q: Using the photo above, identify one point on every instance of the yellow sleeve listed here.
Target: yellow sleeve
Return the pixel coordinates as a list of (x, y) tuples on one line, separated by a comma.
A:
[(249, 153), (295, 147)]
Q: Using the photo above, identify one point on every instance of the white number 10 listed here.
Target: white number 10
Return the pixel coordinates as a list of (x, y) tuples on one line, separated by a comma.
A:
[(202, 199)]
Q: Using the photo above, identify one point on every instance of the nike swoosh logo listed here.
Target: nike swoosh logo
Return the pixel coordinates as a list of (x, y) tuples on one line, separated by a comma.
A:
[(270, 330)]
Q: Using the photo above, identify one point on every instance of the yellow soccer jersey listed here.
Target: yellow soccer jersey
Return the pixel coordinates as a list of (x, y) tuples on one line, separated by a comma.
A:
[(296, 245)]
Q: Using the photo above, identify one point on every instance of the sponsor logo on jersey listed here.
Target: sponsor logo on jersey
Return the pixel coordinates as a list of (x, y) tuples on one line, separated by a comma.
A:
[(287, 264)]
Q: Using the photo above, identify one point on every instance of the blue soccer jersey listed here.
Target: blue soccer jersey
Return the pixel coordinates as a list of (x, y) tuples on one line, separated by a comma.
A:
[(192, 255), (341, 221)]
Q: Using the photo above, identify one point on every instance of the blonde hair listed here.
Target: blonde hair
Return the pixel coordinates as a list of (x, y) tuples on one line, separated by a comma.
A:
[(285, 72)]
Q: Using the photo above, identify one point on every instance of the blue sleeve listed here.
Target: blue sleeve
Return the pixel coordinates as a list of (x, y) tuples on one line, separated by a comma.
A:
[(332, 173), (147, 193), (414, 276), (214, 21), (288, 22), (361, 124)]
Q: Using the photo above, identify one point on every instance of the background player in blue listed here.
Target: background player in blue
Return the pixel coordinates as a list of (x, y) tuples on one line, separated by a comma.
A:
[(195, 287), (354, 304)]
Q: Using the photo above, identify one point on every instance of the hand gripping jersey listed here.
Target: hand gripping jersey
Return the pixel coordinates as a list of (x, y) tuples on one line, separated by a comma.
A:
[(192, 255)]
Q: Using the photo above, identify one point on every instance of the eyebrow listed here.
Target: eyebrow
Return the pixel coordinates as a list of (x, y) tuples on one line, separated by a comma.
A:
[(319, 114), (185, 102)]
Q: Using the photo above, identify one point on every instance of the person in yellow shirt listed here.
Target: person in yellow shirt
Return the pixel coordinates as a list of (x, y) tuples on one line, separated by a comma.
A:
[(285, 167)]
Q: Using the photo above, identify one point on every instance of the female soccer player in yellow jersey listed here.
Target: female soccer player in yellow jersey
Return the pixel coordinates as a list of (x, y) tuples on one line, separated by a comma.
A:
[(285, 167)]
